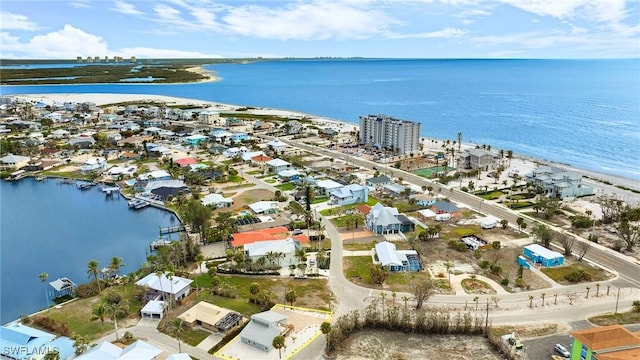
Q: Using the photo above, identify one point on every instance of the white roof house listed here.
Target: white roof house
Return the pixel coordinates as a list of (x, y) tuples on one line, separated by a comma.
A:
[(328, 186), (178, 286), (277, 145), (12, 160), (217, 200), (392, 258), (155, 175), (93, 164), (139, 350), (264, 207), (261, 248), (249, 154), (154, 309)]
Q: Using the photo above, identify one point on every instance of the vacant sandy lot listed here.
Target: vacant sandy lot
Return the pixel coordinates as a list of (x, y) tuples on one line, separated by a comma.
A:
[(381, 345)]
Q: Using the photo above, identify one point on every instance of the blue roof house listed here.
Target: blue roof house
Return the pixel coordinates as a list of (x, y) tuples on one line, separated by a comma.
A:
[(239, 137), (350, 194), (383, 220), (22, 342), (195, 140), (541, 255)]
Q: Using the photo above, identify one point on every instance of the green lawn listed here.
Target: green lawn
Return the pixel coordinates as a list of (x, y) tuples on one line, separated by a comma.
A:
[(343, 221), (359, 246), (286, 186), (491, 195), (631, 317), (255, 172), (358, 267), (558, 273), (432, 171), (319, 199), (270, 181), (194, 337), (236, 178)]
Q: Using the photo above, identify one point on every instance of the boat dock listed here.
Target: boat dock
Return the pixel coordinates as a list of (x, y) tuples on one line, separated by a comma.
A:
[(41, 178), (154, 245), (16, 175), (137, 204), (110, 190), (84, 185), (172, 229)]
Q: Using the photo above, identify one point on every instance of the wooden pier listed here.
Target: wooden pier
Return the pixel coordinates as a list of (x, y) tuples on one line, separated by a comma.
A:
[(172, 229), (154, 245)]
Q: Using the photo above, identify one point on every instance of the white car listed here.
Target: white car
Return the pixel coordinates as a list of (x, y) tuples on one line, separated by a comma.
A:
[(561, 350)]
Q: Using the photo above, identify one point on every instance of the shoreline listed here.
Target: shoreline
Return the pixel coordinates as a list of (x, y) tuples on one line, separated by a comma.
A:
[(112, 98)]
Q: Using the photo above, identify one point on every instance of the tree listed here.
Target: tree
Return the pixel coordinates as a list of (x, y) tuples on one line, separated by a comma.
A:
[(378, 274), (43, 279), (115, 265), (520, 222), (630, 234), (325, 328), (542, 234), (636, 306), (278, 343), (99, 312), (567, 243), (176, 327), (422, 290), (80, 343), (254, 289), (52, 354), (504, 223), (93, 269), (448, 265), (116, 309), (290, 296)]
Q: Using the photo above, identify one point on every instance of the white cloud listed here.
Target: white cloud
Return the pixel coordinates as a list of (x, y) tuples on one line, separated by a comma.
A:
[(444, 33), (126, 8), (144, 52), (80, 4), (63, 44), (11, 21), (556, 8)]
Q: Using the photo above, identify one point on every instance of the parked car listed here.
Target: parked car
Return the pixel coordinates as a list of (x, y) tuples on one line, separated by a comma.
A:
[(562, 350)]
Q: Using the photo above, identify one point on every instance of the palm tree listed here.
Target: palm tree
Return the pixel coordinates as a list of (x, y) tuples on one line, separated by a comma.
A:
[(448, 265), (116, 310), (43, 279), (93, 269), (99, 312), (405, 299), (176, 326), (290, 296), (542, 295), (170, 275), (325, 328), (160, 274), (116, 264), (278, 343)]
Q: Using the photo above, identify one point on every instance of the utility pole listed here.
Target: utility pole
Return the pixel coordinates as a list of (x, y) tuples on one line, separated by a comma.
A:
[(486, 319), (617, 298)]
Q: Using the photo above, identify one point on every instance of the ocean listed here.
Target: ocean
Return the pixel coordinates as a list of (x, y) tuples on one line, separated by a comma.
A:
[(585, 113), (57, 228)]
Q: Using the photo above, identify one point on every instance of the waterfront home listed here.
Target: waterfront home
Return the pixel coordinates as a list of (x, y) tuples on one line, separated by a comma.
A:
[(93, 165), (264, 207), (383, 220), (611, 342), (293, 127), (277, 145), (115, 172), (217, 201), (392, 259), (211, 317), (165, 188), (209, 117), (543, 256), (139, 350), (20, 342), (285, 248), (277, 165), (349, 194), (326, 187), (163, 287), (558, 183), (262, 328), (477, 159), (274, 233), (155, 175), (11, 161)]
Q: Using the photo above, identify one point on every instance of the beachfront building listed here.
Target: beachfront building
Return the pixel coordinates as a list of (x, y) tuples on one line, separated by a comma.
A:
[(161, 190), (262, 328), (477, 159), (558, 183), (541, 255), (155, 175), (392, 259), (384, 132), (612, 342)]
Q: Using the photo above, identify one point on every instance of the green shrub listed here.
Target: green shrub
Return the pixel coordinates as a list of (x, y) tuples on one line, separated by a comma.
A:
[(86, 290), (504, 282), (457, 245), (581, 222), (496, 269), (484, 264), (578, 276)]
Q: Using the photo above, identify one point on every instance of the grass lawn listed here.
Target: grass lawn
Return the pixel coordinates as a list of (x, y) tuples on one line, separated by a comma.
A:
[(359, 246), (459, 232), (286, 186), (236, 178), (357, 268), (631, 317), (371, 201), (558, 273), (491, 195), (194, 337), (270, 181), (255, 172), (235, 187), (319, 199), (343, 221), (475, 286)]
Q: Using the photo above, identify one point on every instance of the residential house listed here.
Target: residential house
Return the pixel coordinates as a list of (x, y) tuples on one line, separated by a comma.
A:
[(289, 175), (328, 132), (558, 183), (349, 194), (261, 125), (83, 142), (262, 328), (277, 165), (139, 350), (424, 200), (239, 137), (217, 150), (613, 342), (93, 165), (286, 248), (246, 156), (293, 127), (165, 188), (406, 225), (195, 140), (326, 187), (134, 141), (277, 145), (260, 160), (116, 172), (362, 209), (129, 155), (20, 342), (60, 134), (114, 137), (184, 162), (235, 151), (11, 161), (378, 182), (274, 233), (211, 317), (264, 207), (394, 189), (158, 151), (153, 310), (477, 159), (541, 255), (164, 287), (392, 259), (155, 175), (426, 214), (383, 220), (445, 207), (217, 201), (209, 117)]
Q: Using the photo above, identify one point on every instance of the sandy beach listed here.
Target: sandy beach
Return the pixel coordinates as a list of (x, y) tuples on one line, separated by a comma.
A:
[(523, 163)]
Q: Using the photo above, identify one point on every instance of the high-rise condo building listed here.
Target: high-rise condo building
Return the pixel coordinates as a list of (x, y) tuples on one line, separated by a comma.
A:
[(384, 132)]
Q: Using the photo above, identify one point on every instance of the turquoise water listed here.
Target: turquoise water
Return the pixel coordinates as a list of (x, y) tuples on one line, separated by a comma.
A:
[(582, 112), (57, 228)]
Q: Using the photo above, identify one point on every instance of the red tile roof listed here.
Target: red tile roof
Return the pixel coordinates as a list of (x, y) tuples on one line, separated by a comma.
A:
[(261, 158), (274, 233), (607, 337), (363, 208), (185, 161)]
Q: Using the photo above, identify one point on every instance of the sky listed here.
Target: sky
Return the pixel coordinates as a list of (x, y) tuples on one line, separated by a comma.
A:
[(59, 29)]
